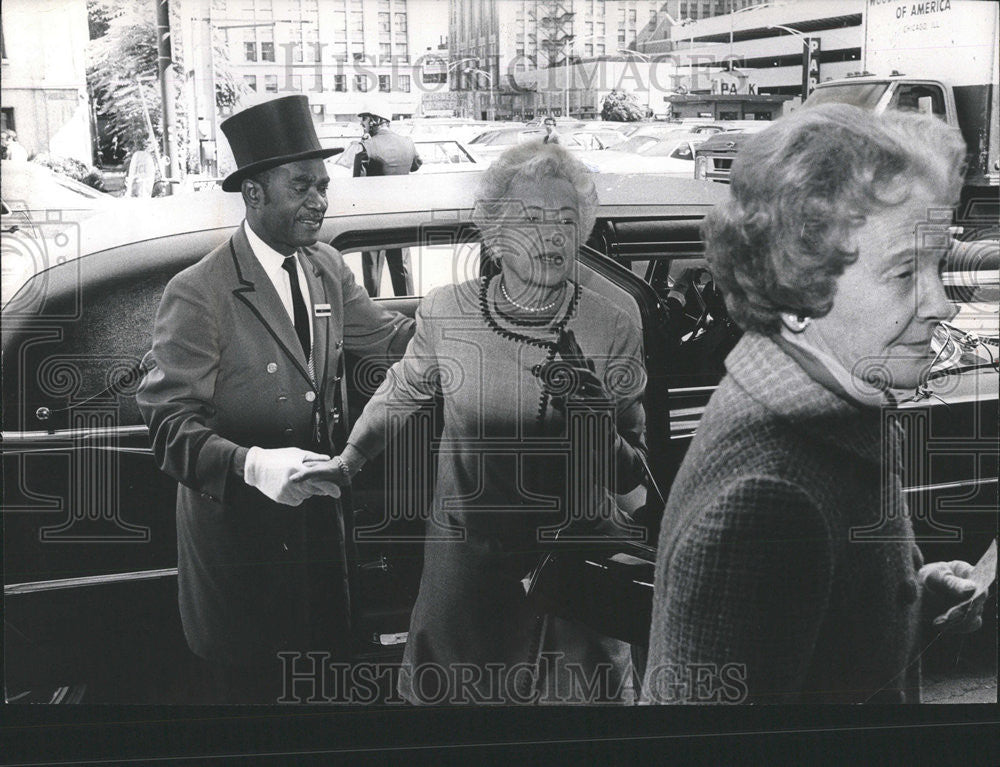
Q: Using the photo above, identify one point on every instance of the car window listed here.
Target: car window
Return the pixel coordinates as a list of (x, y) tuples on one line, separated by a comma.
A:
[(864, 95), (485, 138), (682, 152), (346, 158), (447, 152), (907, 98), (636, 144), (429, 264)]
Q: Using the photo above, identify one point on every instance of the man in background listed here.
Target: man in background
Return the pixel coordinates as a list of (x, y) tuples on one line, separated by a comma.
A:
[(551, 135), (384, 153)]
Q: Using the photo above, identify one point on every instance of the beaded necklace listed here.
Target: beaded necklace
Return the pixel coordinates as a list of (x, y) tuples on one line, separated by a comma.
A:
[(539, 343)]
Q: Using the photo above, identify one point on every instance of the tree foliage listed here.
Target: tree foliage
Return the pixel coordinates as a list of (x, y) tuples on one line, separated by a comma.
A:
[(122, 72), (621, 106)]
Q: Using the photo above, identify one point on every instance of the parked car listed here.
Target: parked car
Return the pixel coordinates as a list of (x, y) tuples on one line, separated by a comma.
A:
[(89, 544), (714, 158), (441, 128), (670, 155), (489, 145), (439, 156), (40, 210)]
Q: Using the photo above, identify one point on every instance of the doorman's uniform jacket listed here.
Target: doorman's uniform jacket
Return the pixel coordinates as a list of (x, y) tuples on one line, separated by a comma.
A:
[(229, 371)]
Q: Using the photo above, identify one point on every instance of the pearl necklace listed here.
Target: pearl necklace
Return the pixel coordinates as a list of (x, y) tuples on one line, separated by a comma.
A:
[(549, 346), (532, 309)]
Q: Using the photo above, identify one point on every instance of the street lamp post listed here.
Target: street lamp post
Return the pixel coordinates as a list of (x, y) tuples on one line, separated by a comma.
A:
[(566, 49), (473, 70), (649, 76), (455, 63)]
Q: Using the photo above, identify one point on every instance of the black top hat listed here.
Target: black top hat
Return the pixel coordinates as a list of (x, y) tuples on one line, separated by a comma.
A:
[(270, 134)]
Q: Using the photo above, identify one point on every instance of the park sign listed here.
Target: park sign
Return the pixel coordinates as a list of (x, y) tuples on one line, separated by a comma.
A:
[(810, 65)]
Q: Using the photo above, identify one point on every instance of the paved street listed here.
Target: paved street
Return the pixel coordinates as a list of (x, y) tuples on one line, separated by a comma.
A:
[(963, 669)]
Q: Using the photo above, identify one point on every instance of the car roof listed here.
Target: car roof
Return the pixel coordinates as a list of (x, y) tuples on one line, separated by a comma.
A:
[(439, 196), (35, 185)]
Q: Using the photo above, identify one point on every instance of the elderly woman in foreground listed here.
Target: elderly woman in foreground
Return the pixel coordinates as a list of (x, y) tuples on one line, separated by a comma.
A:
[(487, 347), (765, 578)]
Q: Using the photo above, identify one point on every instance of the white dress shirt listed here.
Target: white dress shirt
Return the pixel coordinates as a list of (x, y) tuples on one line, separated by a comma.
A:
[(272, 260)]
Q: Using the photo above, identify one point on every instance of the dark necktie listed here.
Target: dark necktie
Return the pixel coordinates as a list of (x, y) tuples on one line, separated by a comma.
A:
[(298, 305)]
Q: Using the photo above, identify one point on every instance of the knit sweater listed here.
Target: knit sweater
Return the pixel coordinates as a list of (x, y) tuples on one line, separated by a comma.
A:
[(786, 559)]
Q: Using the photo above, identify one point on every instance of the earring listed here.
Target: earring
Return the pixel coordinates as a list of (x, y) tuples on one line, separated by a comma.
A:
[(795, 322)]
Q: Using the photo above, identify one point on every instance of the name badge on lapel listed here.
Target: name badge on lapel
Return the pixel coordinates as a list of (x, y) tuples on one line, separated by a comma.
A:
[(321, 310)]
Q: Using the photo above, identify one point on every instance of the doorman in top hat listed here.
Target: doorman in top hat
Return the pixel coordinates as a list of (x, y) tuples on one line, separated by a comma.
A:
[(243, 390), (384, 153)]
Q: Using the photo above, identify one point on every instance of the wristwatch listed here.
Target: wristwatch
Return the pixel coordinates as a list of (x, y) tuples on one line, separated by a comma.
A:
[(344, 468)]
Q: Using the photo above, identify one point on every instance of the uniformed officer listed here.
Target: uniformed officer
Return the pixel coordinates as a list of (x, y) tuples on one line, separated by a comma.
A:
[(384, 153), (243, 390)]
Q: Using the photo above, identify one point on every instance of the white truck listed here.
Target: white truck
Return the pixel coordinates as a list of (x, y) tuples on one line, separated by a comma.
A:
[(939, 56)]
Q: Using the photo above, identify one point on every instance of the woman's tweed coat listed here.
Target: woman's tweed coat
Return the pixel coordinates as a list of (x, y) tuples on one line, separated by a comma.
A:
[(786, 549), (501, 476)]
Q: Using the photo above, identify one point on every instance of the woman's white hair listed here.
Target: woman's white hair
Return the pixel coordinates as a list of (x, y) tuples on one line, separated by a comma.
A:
[(532, 162)]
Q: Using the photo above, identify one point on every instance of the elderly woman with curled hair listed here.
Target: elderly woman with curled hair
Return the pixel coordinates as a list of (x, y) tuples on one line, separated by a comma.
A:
[(487, 349), (786, 558)]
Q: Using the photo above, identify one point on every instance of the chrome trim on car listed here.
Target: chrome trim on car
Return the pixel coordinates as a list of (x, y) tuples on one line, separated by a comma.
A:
[(87, 580), (13, 437), (951, 485)]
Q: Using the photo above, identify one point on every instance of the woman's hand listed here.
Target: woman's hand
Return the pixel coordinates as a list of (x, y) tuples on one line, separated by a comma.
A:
[(323, 477), (947, 595)]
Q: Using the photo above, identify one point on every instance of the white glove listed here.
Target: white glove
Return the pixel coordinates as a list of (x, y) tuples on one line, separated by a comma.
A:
[(270, 471)]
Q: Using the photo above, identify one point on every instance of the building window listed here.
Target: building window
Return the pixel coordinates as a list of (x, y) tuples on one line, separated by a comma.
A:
[(588, 50), (384, 23), (385, 51), (600, 49), (295, 39), (310, 42), (250, 51), (361, 83), (631, 17), (267, 51), (621, 36), (340, 83), (706, 10), (251, 81), (340, 50), (296, 83), (403, 83), (400, 22), (318, 82), (401, 50), (383, 83), (270, 83), (359, 57)]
